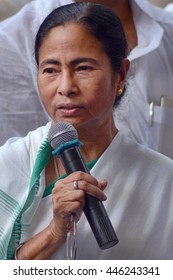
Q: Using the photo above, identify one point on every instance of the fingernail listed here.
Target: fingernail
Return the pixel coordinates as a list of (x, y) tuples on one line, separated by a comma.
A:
[(103, 184), (104, 197)]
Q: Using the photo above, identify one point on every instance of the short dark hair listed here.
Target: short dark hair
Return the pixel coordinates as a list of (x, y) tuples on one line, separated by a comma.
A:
[(99, 20)]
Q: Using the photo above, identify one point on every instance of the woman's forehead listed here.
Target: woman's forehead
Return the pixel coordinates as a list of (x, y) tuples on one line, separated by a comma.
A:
[(72, 32), (71, 38)]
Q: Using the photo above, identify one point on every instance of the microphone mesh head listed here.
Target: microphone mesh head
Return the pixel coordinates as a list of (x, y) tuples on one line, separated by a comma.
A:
[(61, 133)]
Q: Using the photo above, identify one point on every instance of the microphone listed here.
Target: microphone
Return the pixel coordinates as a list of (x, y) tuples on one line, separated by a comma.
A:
[(63, 138)]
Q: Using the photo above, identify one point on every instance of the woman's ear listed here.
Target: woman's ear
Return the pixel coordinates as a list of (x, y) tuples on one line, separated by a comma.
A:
[(122, 76)]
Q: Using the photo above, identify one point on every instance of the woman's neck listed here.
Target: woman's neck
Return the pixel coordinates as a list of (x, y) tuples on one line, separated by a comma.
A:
[(94, 144)]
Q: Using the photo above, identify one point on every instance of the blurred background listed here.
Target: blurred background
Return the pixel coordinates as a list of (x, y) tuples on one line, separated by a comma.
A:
[(161, 3), (10, 7)]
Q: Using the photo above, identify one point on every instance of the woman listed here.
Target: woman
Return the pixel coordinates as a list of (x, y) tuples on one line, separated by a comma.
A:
[(81, 54)]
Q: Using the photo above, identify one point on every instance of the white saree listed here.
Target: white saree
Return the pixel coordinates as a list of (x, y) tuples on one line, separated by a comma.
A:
[(21, 186), (139, 204)]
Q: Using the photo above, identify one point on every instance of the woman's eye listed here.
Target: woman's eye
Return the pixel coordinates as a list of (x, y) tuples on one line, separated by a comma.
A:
[(49, 71), (84, 68)]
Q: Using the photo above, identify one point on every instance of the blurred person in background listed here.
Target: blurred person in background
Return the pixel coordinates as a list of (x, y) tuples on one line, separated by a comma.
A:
[(169, 7)]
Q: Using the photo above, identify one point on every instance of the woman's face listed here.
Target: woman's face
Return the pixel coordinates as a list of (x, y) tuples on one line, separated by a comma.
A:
[(75, 77)]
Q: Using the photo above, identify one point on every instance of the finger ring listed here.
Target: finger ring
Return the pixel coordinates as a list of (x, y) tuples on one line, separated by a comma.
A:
[(75, 185)]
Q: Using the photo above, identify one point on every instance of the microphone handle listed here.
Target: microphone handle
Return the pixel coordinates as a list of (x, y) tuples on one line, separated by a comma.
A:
[(94, 209)]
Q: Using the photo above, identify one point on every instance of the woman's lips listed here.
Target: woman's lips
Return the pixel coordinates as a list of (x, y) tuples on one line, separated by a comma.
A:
[(69, 110)]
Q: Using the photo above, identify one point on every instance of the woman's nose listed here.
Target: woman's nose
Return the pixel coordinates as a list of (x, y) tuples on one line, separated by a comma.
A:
[(66, 85)]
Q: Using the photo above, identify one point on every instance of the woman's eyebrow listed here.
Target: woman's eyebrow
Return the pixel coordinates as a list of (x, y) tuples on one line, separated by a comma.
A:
[(83, 59), (49, 61), (73, 62)]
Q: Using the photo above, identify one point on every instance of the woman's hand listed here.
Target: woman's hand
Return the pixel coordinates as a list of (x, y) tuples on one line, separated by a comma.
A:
[(67, 200)]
